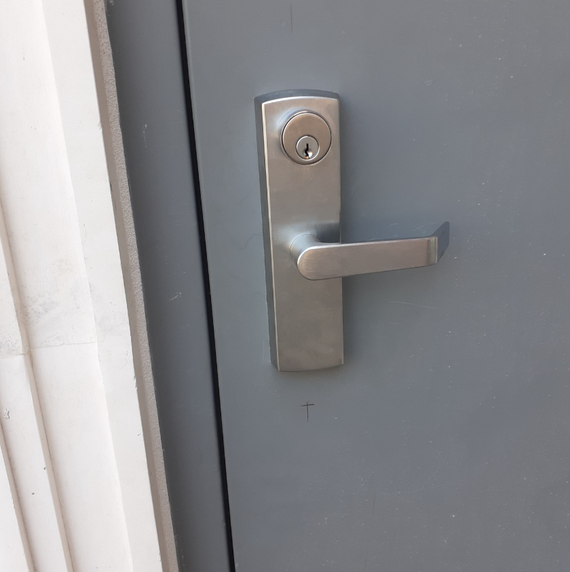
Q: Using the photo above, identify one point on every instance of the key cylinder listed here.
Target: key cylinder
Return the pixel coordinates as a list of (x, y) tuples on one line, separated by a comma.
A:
[(306, 138)]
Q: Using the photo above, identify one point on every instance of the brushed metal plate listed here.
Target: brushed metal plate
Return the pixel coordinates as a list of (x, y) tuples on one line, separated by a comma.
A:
[(305, 317)]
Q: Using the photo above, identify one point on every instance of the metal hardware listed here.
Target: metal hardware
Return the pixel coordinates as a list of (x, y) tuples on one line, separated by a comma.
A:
[(307, 147), (305, 261), (306, 137), (319, 261)]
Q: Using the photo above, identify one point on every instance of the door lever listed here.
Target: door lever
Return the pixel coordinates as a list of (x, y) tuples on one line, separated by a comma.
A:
[(299, 164), (318, 260)]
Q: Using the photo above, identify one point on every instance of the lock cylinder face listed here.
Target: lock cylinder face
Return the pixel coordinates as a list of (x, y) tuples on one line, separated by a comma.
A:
[(306, 138)]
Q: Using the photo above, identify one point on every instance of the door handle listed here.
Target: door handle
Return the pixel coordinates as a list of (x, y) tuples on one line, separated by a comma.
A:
[(299, 161), (317, 260)]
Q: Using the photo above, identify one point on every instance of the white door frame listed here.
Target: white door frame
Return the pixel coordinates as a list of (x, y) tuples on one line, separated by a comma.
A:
[(81, 455)]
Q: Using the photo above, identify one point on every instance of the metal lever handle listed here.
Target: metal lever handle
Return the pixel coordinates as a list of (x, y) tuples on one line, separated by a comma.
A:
[(299, 165), (321, 261)]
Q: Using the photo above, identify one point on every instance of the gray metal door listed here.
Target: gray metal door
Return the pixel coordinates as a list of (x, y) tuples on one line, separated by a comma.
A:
[(443, 442)]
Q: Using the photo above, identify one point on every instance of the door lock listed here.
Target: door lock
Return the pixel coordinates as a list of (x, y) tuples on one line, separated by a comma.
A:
[(305, 260), (306, 137)]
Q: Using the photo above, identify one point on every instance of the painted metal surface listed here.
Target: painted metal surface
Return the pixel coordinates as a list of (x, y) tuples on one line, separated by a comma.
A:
[(442, 443), (151, 95)]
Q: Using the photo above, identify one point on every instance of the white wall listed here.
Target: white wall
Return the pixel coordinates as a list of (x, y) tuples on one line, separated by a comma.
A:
[(75, 490)]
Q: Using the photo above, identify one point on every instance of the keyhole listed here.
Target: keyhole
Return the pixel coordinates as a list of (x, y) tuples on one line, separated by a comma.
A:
[(307, 148)]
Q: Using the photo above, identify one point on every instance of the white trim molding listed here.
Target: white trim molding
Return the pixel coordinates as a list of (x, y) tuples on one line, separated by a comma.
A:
[(74, 472)]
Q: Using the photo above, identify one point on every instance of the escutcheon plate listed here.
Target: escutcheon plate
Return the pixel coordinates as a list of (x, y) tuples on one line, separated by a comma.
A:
[(305, 317)]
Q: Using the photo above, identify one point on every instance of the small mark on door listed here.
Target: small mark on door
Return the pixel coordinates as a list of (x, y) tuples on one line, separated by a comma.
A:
[(307, 405)]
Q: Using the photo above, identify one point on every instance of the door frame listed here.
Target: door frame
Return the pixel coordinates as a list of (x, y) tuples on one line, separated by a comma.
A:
[(153, 96)]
